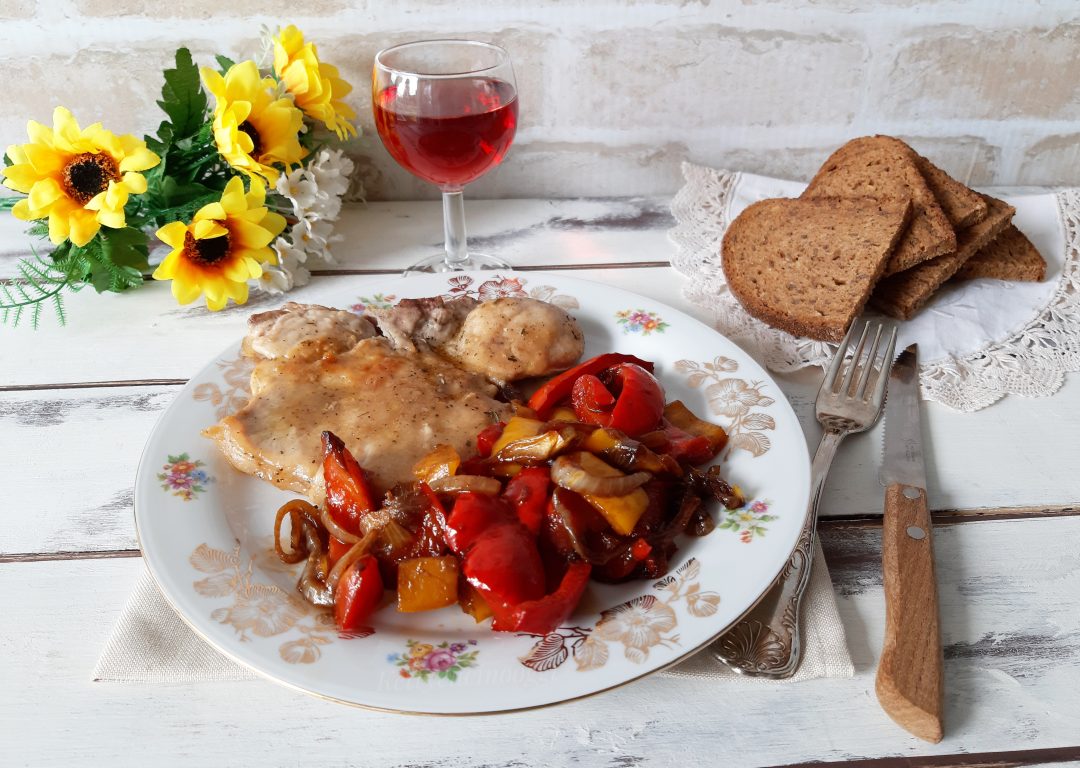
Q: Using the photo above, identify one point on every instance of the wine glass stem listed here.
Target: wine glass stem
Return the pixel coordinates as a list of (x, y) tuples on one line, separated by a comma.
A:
[(453, 206)]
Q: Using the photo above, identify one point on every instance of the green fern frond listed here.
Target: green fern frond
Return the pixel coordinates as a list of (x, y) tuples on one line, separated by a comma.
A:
[(40, 282)]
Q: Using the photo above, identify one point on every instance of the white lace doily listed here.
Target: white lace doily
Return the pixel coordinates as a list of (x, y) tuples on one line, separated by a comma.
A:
[(979, 340)]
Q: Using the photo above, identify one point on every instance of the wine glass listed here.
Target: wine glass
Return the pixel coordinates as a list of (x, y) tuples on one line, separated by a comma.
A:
[(447, 110)]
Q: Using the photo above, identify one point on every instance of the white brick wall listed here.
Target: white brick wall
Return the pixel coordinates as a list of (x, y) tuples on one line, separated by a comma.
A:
[(615, 93)]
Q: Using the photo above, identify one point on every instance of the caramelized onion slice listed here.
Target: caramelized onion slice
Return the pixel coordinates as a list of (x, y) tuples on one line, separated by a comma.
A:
[(358, 550), (300, 514), (488, 486), (584, 473), (336, 530)]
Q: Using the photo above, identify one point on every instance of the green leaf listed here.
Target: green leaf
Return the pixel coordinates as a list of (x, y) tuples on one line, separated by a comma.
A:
[(126, 248), (182, 97), (224, 63)]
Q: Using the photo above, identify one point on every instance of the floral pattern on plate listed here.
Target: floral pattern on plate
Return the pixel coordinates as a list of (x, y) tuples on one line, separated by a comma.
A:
[(748, 520), (263, 610), (236, 391), (445, 660), (375, 301), (638, 625), (734, 399), (499, 287), (640, 321), (184, 477)]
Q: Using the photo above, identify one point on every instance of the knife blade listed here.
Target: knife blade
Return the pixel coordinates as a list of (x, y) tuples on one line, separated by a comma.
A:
[(903, 457), (909, 682)]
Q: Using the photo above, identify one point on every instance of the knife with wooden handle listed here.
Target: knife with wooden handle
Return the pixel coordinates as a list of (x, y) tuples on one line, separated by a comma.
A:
[(910, 683)]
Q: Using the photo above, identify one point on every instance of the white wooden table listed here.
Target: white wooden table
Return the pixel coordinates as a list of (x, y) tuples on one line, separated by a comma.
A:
[(77, 403)]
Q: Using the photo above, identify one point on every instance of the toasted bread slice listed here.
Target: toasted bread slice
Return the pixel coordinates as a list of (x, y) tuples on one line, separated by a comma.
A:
[(807, 266), (962, 205), (1010, 256), (903, 294), (881, 166)]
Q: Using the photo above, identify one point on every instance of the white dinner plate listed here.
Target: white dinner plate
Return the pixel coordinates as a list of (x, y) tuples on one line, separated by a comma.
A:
[(206, 532)]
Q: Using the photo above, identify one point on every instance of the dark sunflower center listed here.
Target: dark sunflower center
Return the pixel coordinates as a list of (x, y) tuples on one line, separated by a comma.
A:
[(249, 129), (208, 251), (87, 175)]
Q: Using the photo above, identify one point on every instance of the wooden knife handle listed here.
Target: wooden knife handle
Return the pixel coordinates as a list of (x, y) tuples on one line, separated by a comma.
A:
[(910, 682)]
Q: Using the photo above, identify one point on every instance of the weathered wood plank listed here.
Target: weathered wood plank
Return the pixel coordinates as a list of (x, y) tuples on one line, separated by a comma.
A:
[(145, 335), (1012, 679), (390, 235), (81, 494)]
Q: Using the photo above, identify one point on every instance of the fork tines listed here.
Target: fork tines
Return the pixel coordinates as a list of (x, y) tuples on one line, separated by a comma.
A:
[(861, 364)]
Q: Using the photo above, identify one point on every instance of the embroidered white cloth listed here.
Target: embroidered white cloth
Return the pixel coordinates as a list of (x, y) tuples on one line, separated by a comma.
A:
[(979, 340), (151, 643)]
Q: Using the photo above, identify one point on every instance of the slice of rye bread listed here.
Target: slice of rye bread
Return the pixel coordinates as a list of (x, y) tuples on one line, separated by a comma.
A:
[(962, 205), (807, 266), (881, 166), (902, 295), (1010, 256)]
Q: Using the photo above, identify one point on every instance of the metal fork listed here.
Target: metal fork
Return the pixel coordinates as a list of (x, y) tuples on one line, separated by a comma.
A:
[(765, 642)]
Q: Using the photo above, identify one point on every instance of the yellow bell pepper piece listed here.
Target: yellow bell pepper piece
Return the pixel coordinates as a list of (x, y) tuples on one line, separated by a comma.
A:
[(621, 512), (473, 603), (442, 462), (427, 583), (518, 428), (562, 413)]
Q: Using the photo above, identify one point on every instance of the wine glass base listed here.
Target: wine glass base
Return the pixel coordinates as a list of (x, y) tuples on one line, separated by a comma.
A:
[(439, 263)]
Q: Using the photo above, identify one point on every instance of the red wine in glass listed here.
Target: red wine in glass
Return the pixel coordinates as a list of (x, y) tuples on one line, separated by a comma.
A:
[(447, 110), (450, 132)]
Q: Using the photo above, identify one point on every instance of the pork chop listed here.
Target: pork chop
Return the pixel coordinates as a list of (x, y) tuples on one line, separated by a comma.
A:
[(391, 407), (505, 339), (303, 331)]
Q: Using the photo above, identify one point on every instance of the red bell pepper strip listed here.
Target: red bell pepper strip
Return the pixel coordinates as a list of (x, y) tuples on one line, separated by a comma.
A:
[(548, 612), (640, 549), (528, 493), (487, 438), (559, 387), (633, 403), (504, 565), (348, 493), (684, 447), (499, 555), (473, 513), (338, 549), (358, 594)]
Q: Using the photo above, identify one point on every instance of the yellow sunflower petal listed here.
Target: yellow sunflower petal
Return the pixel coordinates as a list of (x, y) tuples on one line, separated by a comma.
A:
[(232, 199), (65, 128), (20, 177), (140, 159), (45, 160), (184, 291), (274, 222), (239, 292), (251, 236), (84, 225), (44, 193), (211, 212), (207, 229), (173, 235), (167, 268), (135, 182), (58, 226), (38, 133), (236, 270), (21, 211)]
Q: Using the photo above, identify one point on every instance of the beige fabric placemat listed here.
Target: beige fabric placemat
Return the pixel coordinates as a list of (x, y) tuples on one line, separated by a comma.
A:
[(151, 643)]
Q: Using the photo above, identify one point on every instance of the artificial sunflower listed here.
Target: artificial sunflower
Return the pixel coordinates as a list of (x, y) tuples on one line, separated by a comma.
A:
[(316, 86), (223, 247), (78, 178), (253, 130)]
